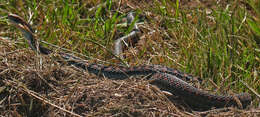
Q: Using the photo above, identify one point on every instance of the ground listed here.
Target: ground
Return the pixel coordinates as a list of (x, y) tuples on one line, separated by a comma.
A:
[(210, 39)]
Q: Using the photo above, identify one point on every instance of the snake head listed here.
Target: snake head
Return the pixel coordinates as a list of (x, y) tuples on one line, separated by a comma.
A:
[(24, 27), (19, 22)]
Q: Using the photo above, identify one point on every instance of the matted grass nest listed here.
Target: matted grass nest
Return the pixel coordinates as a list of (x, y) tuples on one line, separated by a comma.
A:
[(35, 85)]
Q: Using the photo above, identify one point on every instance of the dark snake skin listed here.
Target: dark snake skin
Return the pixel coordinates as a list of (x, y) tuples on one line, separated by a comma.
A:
[(121, 72), (196, 97), (166, 78)]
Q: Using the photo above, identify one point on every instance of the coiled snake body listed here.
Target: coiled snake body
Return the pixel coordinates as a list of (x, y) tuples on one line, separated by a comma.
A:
[(166, 78)]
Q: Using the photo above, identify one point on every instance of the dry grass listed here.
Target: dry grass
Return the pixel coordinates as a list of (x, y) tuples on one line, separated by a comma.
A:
[(54, 90), (34, 85)]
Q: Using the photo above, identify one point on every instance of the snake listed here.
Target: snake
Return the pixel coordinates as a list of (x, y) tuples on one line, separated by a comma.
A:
[(168, 79)]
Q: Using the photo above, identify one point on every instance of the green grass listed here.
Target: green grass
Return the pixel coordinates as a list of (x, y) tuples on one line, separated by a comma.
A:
[(215, 46)]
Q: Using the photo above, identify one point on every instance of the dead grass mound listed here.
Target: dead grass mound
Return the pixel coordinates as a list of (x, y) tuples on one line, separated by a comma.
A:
[(34, 85)]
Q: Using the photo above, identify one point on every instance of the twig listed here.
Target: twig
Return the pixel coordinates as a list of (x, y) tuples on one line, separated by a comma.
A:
[(213, 110), (251, 89), (19, 85), (34, 94), (46, 82), (108, 51)]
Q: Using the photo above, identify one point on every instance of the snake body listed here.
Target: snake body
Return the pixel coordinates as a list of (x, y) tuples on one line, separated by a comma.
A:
[(166, 78), (122, 72)]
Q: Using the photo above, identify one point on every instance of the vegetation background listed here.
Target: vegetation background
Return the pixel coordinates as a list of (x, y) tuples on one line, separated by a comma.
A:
[(217, 40)]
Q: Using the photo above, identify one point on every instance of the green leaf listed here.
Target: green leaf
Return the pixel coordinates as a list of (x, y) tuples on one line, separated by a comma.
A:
[(254, 26)]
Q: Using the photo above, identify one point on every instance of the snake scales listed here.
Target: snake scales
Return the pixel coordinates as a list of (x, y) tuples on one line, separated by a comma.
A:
[(166, 78)]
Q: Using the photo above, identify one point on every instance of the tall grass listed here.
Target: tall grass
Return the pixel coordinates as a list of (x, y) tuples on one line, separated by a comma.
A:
[(213, 43)]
